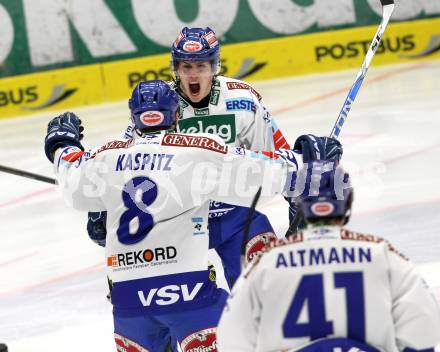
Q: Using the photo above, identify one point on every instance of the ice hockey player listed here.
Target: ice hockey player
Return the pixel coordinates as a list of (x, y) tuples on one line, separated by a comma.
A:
[(232, 110), (156, 191), (329, 285)]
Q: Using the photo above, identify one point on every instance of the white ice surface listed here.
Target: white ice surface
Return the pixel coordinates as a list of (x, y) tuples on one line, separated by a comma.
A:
[(52, 280)]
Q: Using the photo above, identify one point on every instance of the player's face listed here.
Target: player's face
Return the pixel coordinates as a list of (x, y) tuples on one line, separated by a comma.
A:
[(195, 79)]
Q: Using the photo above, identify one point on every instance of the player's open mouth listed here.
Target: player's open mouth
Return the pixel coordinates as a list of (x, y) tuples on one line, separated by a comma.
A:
[(194, 88)]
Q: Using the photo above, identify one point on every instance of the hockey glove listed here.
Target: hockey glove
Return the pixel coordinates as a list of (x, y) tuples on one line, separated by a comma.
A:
[(63, 130), (96, 227), (318, 148)]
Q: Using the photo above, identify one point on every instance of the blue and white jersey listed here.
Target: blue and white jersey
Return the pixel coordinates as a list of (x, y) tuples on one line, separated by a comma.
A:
[(236, 113), (328, 282), (157, 192)]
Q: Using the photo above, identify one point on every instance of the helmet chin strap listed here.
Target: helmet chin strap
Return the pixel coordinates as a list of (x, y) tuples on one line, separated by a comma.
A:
[(347, 216)]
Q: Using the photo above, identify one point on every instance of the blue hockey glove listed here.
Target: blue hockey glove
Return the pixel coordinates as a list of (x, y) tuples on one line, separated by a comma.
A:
[(312, 148), (96, 227), (63, 130), (318, 148)]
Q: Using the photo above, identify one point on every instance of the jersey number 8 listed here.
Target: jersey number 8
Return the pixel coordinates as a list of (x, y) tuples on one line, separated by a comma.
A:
[(137, 195)]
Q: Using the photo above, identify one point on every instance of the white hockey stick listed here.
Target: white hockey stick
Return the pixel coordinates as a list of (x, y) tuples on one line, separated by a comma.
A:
[(387, 11)]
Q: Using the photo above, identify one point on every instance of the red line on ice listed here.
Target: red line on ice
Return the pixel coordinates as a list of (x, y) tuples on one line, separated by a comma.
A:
[(26, 197), (410, 154), (318, 98), (25, 289), (14, 260)]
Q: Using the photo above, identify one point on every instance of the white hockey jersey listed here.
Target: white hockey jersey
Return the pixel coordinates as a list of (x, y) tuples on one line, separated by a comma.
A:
[(235, 113), (156, 191), (330, 282)]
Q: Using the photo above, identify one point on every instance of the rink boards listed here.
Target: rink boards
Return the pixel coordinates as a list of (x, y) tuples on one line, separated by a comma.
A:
[(255, 60)]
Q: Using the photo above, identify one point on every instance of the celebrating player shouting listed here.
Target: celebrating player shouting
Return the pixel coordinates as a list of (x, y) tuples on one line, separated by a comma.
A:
[(156, 191), (232, 110)]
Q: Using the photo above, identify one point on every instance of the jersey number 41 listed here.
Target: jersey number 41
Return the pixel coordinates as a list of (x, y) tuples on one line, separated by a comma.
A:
[(311, 291)]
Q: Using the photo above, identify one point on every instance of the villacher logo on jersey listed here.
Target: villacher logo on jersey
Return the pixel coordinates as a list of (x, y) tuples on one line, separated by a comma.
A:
[(200, 341), (143, 258)]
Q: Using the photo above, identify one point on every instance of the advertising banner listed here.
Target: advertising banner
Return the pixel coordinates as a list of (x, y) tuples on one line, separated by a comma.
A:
[(48, 34)]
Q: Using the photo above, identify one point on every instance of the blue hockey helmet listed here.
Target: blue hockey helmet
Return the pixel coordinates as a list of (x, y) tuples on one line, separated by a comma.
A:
[(327, 193), (153, 105), (196, 44)]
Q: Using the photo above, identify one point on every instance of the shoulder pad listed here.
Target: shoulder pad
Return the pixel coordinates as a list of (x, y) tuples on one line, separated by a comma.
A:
[(356, 236), (233, 84)]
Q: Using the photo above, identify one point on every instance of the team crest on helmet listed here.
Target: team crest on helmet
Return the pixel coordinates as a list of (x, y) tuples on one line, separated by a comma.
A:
[(192, 46), (322, 208), (151, 118)]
